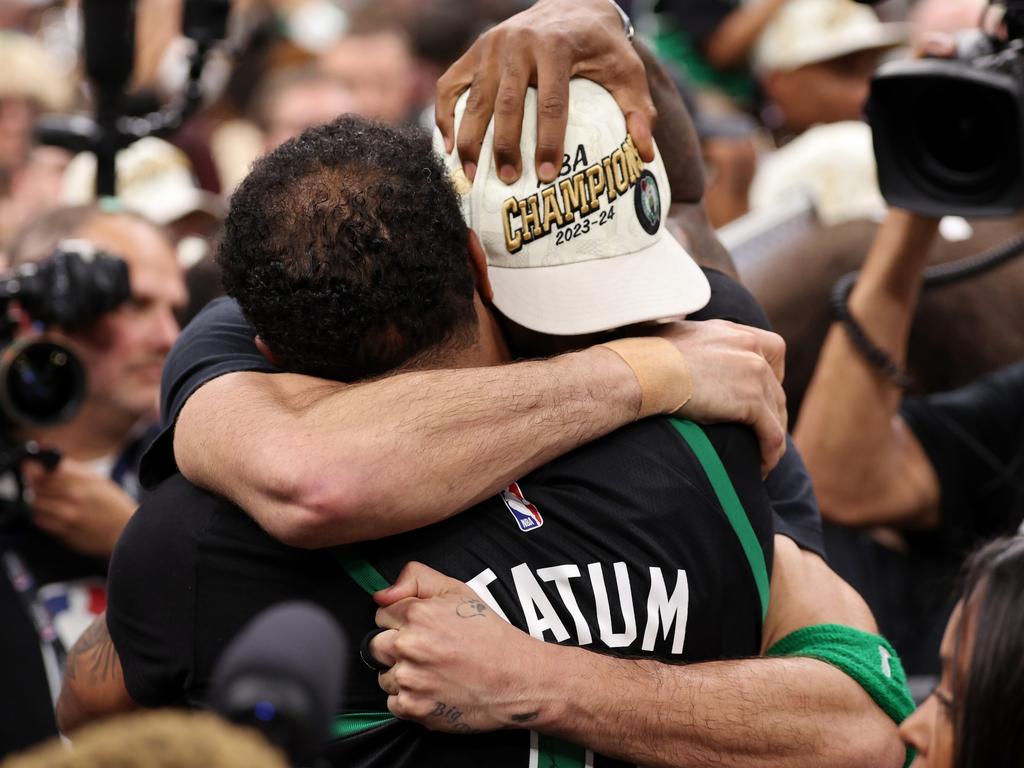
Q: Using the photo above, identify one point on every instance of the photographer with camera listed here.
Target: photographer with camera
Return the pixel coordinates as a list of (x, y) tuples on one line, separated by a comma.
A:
[(944, 470), (55, 548)]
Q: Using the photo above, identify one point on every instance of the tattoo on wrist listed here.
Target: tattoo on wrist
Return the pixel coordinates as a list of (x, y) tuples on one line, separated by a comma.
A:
[(470, 608), (453, 715)]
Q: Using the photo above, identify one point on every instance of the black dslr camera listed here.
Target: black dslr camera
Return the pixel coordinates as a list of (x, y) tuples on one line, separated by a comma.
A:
[(949, 133), (42, 382)]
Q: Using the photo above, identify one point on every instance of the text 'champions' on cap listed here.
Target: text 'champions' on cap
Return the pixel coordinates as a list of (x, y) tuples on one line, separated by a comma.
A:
[(590, 251)]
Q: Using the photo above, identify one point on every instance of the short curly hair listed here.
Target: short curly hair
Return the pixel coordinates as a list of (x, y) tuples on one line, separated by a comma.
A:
[(347, 251)]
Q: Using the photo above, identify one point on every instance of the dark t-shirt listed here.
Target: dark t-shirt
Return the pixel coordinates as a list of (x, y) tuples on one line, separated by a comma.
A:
[(974, 438), (38, 576), (621, 546), (220, 340), (48, 596)]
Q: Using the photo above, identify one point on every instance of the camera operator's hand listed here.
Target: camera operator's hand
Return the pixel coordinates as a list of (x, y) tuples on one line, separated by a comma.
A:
[(73, 503), (546, 44)]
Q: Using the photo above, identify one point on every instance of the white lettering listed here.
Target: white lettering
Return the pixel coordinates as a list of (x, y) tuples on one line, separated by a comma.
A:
[(604, 614), (667, 609), (532, 598), (560, 575), (479, 585)]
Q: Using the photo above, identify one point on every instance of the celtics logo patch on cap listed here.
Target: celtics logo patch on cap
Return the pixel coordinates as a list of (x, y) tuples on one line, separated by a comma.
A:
[(647, 201)]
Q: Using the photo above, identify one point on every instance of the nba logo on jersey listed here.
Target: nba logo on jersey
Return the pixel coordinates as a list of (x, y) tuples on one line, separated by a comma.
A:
[(526, 514)]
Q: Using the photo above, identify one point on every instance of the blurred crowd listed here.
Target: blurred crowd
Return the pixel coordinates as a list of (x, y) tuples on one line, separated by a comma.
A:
[(776, 90)]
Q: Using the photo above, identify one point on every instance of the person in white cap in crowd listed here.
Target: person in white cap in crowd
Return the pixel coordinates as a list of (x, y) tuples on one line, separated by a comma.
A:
[(619, 266), (154, 179), (815, 59)]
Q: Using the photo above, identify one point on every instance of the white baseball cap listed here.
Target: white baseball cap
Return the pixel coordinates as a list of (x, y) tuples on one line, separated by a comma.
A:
[(154, 178), (806, 32), (590, 251)]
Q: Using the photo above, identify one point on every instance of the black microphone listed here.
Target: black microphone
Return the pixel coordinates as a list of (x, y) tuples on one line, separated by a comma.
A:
[(282, 675), (109, 40)]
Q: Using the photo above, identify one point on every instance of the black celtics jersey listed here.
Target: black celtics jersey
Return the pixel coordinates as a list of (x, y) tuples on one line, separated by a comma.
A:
[(653, 542)]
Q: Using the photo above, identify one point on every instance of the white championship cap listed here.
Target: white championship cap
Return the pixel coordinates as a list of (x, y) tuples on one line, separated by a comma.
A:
[(590, 251), (805, 32)]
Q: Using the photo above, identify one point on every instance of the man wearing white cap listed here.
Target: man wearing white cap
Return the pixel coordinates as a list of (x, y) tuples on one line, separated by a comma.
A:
[(815, 59)]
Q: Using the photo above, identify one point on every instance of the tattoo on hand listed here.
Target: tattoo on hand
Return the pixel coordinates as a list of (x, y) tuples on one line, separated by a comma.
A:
[(470, 608), (96, 646), (452, 715)]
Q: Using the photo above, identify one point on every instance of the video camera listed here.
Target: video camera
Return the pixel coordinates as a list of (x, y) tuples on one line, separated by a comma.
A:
[(949, 133), (42, 382)]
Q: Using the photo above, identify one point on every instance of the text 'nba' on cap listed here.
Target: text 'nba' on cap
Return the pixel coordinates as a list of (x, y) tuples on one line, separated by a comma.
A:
[(589, 251)]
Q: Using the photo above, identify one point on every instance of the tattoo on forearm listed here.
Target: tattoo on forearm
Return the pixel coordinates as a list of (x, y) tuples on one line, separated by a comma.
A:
[(453, 715), (470, 608), (94, 654)]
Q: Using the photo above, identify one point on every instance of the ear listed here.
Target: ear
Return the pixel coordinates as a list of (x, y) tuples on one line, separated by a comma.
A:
[(261, 345), (478, 260)]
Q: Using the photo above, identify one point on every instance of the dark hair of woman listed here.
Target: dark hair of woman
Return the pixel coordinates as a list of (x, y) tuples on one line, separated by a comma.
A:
[(990, 701)]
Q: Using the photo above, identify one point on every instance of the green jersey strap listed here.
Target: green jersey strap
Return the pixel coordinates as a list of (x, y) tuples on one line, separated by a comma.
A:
[(731, 504), (370, 580)]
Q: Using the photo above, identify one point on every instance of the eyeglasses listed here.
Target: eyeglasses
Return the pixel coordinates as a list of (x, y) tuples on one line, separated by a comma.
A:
[(945, 699)]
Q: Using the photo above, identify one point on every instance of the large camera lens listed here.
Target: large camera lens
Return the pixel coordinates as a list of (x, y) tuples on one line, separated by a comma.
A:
[(948, 138), (959, 140), (41, 383)]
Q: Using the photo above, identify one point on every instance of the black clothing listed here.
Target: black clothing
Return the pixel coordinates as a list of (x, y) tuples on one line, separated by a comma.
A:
[(220, 340), (621, 546), (48, 596), (974, 437), (797, 516), (37, 562)]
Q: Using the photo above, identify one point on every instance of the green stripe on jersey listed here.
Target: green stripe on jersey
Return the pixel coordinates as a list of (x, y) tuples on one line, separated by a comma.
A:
[(731, 505)]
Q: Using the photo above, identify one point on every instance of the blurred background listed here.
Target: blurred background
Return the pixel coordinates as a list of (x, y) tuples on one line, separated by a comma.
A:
[(777, 90)]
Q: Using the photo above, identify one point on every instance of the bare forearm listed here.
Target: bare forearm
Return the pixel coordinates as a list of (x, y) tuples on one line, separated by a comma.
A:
[(93, 685), (757, 712), (789, 712), (327, 464), (848, 431), (731, 43)]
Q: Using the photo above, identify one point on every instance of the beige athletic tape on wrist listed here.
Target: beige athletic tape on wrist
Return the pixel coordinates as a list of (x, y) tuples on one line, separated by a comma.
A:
[(661, 371)]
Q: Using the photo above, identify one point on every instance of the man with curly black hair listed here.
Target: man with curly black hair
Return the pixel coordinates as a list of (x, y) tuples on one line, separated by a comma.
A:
[(303, 243)]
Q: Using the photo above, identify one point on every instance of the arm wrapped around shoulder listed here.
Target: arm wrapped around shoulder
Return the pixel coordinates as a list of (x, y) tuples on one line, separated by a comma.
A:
[(661, 370)]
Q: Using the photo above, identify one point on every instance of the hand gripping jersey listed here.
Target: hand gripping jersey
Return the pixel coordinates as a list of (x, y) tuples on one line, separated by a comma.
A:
[(653, 542)]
